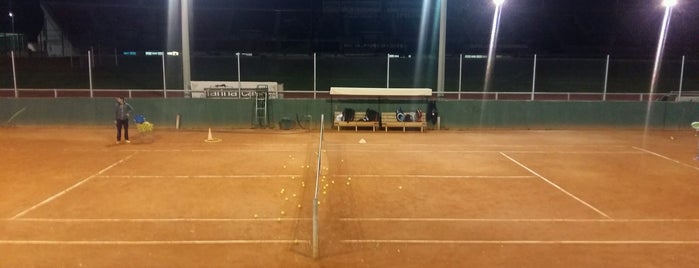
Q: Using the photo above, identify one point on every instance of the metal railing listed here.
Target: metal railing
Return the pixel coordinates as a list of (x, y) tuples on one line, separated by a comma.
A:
[(298, 94)]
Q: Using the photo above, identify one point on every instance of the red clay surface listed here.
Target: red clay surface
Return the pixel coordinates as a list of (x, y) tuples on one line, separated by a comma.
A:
[(592, 198)]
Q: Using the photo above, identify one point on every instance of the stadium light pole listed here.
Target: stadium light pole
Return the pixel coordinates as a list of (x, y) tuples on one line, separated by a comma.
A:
[(669, 5), (493, 44), (186, 62), (12, 19)]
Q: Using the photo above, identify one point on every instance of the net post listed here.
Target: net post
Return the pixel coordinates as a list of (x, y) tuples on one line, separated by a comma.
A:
[(314, 240)]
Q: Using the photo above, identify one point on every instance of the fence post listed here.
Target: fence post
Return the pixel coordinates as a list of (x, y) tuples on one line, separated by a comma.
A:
[(681, 78), (461, 58), (606, 77), (89, 70), (14, 73), (315, 77), (164, 79), (534, 78)]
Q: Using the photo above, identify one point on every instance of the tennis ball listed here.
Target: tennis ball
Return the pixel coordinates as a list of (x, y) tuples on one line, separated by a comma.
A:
[(348, 183), (400, 187), (286, 199), (255, 216), (672, 138), (282, 191), (283, 213), (284, 166), (299, 206), (293, 195)]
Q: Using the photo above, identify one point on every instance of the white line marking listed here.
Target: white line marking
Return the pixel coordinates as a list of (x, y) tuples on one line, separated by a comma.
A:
[(199, 176), (527, 242), (174, 220), (556, 186), (495, 150), (71, 188), (516, 220), (665, 157), (213, 220), (435, 176), (156, 242)]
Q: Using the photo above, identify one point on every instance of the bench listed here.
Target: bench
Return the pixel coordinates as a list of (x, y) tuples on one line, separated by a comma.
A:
[(388, 120), (356, 123)]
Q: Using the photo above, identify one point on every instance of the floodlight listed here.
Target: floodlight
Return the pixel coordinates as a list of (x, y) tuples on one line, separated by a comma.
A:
[(500, 2), (11, 15), (669, 3)]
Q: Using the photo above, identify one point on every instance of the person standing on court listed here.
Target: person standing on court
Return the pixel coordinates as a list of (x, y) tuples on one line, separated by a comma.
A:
[(121, 119)]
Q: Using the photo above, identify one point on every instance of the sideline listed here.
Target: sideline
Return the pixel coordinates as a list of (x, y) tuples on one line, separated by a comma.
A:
[(72, 187), (556, 186), (665, 157)]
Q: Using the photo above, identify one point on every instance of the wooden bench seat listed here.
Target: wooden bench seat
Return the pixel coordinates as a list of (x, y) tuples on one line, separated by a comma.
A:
[(356, 123), (388, 120)]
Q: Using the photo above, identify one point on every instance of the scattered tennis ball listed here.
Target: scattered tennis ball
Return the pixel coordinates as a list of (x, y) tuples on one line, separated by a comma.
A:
[(293, 177), (400, 187), (348, 183), (283, 213), (255, 216), (307, 166), (286, 199), (282, 191), (293, 195), (333, 182), (349, 178), (284, 166), (672, 138), (324, 192), (299, 206)]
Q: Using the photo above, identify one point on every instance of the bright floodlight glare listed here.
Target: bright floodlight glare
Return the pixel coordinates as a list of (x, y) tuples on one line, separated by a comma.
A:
[(669, 3), (500, 2), (11, 15)]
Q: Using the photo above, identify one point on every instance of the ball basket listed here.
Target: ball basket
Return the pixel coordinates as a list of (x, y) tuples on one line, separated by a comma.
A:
[(145, 128)]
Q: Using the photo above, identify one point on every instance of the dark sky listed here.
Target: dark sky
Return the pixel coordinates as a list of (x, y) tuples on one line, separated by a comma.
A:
[(575, 28)]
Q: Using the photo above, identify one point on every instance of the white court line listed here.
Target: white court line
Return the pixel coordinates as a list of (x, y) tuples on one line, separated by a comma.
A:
[(435, 176), (171, 220), (72, 187), (556, 186), (519, 220), (665, 157), (199, 176), (214, 220), (526, 242), (557, 151), (154, 242)]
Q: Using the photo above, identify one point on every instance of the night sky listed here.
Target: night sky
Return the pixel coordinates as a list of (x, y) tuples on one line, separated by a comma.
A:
[(572, 28)]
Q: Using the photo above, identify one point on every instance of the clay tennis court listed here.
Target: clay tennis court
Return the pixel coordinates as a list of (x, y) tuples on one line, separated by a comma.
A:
[(505, 198)]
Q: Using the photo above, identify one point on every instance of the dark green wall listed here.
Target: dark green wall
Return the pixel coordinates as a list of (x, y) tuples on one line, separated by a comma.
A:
[(202, 113)]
